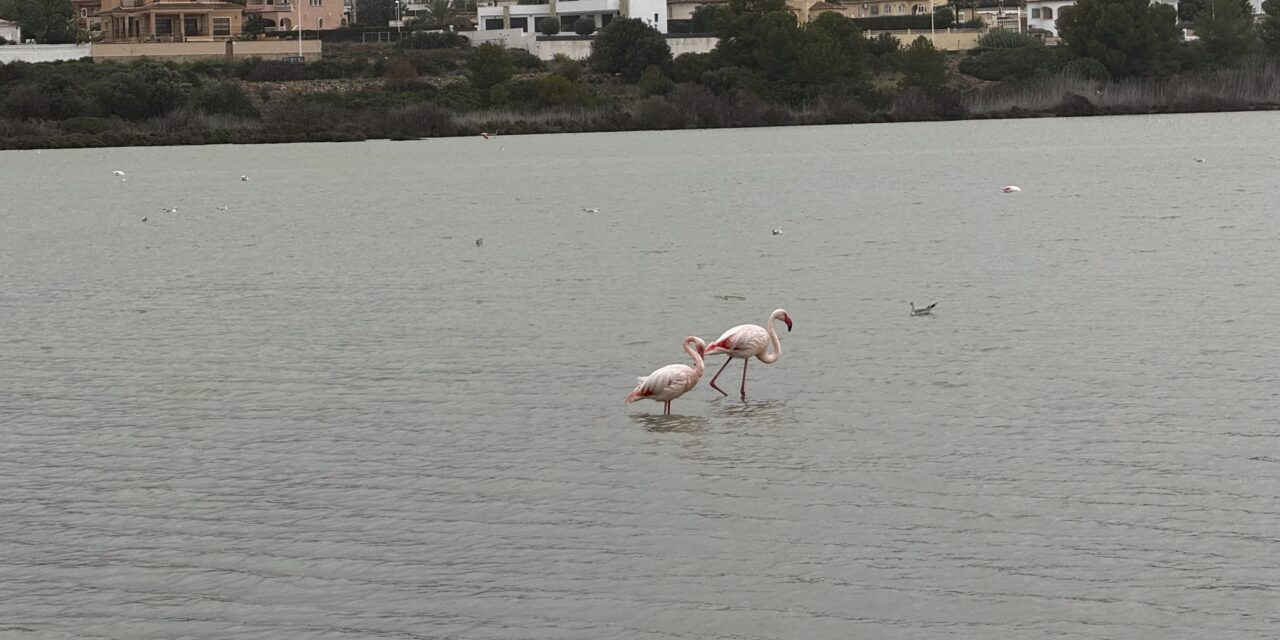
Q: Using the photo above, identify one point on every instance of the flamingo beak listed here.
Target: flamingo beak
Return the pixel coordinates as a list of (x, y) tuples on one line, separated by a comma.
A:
[(787, 319)]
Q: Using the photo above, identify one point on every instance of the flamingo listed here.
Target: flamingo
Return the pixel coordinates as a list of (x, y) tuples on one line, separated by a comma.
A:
[(485, 134), (745, 341), (674, 380)]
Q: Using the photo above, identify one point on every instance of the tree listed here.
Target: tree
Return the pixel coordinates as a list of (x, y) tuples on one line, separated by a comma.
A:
[(1269, 29), (1225, 29), (922, 65), (703, 19), (375, 13), (944, 17), (490, 65), (584, 26), (47, 21), (439, 14), (1129, 37), (549, 26), (627, 46), (255, 24), (654, 82)]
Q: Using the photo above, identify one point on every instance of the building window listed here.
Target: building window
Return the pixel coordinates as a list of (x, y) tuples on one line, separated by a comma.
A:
[(316, 3), (1047, 13), (862, 10), (84, 13), (222, 26), (191, 27), (164, 26), (321, 25), (875, 9), (902, 9), (520, 23), (492, 23), (1035, 13)]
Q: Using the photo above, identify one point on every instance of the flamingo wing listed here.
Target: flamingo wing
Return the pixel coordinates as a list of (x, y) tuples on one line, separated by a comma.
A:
[(741, 341), (667, 383)]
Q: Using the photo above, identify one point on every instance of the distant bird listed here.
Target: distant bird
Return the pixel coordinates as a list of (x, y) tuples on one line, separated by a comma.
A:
[(922, 311), (244, 178), (1199, 159), (117, 173), (170, 209), (674, 380), (777, 231), (479, 242), (144, 219), (222, 208), (591, 209), (486, 134), (124, 179), (747, 341), (1010, 188)]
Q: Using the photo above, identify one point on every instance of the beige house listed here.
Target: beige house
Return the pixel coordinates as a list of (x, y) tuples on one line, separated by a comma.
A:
[(878, 8), (285, 15), (169, 20)]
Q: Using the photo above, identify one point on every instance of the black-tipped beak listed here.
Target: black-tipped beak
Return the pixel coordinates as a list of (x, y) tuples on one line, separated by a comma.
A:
[(787, 319)]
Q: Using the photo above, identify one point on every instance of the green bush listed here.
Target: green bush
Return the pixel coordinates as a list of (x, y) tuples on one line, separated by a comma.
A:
[(584, 26), (656, 113), (563, 65), (1005, 39), (549, 26), (491, 65), (1011, 64), (654, 82), (689, 67), (144, 91), (223, 96), (921, 64)]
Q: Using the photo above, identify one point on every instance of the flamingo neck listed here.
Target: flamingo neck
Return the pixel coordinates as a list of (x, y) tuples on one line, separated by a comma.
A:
[(690, 347), (770, 356)]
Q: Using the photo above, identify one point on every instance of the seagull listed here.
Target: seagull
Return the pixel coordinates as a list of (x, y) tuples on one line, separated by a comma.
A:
[(1010, 188), (144, 219), (244, 178), (1199, 159), (479, 242), (923, 311), (591, 209), (222, 208), (117, 173), (170, 209), (778, 231)]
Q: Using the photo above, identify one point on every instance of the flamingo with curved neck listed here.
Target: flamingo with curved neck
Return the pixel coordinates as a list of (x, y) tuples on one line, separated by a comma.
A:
[(746, 341), (674, 380)]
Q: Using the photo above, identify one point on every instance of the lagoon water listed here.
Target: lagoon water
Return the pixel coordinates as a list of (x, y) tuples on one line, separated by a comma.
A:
[(326, 413)]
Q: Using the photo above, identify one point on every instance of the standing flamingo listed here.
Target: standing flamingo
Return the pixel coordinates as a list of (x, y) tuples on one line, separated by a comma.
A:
[(745, 341), (674, 380)]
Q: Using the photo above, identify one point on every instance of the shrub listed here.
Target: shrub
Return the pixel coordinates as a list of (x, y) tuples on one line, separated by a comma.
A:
[(689, 67), (584, 26), (883, 45), (434, 40), (549, 26), (490, 65), (921, 64), (656, 113), (654, 82), (1005, 39), (224, 96), (258, 70), (400, 74), (563, 65), (1010, 64), (147, 90)]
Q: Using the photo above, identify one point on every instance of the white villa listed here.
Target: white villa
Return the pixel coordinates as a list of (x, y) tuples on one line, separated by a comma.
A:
[(525, 16), (10, 32)]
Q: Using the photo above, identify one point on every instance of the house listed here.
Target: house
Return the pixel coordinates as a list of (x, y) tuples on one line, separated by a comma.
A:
[(169, 20), (86, 15), (526, 16), (878, 8), (284, 15), (683, 9), (10, 32)]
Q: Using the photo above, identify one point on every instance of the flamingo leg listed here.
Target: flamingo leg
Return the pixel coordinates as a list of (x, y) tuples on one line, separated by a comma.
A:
[(743, 390), (713, 378), (666, 408)]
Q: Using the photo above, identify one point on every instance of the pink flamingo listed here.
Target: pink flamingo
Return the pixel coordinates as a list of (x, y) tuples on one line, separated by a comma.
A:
[(745, 341), (674, 380)]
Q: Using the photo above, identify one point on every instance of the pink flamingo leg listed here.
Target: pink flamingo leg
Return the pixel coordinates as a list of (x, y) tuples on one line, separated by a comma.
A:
[(743, 390), (713, 378), (666, 408)]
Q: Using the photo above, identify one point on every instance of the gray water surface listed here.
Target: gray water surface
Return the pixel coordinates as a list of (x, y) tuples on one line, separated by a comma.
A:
[(326, 413)]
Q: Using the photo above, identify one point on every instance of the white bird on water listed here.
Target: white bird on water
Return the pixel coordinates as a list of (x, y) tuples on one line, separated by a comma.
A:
[(777, 231), (674, 380), (117, 173), (1009, 188), (591, 209), (222, 208), (922, 311), (1199, 159), (479, 242), (244, 178), (170, 209)]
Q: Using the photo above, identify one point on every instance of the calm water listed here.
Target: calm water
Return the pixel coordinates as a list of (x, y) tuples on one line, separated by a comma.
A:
[(326, 413)]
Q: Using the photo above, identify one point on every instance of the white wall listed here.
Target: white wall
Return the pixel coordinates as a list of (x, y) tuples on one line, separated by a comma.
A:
[(10, 31), (43, 52), (648, 10), (509, 38), (580, 48), (1048, 24)]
